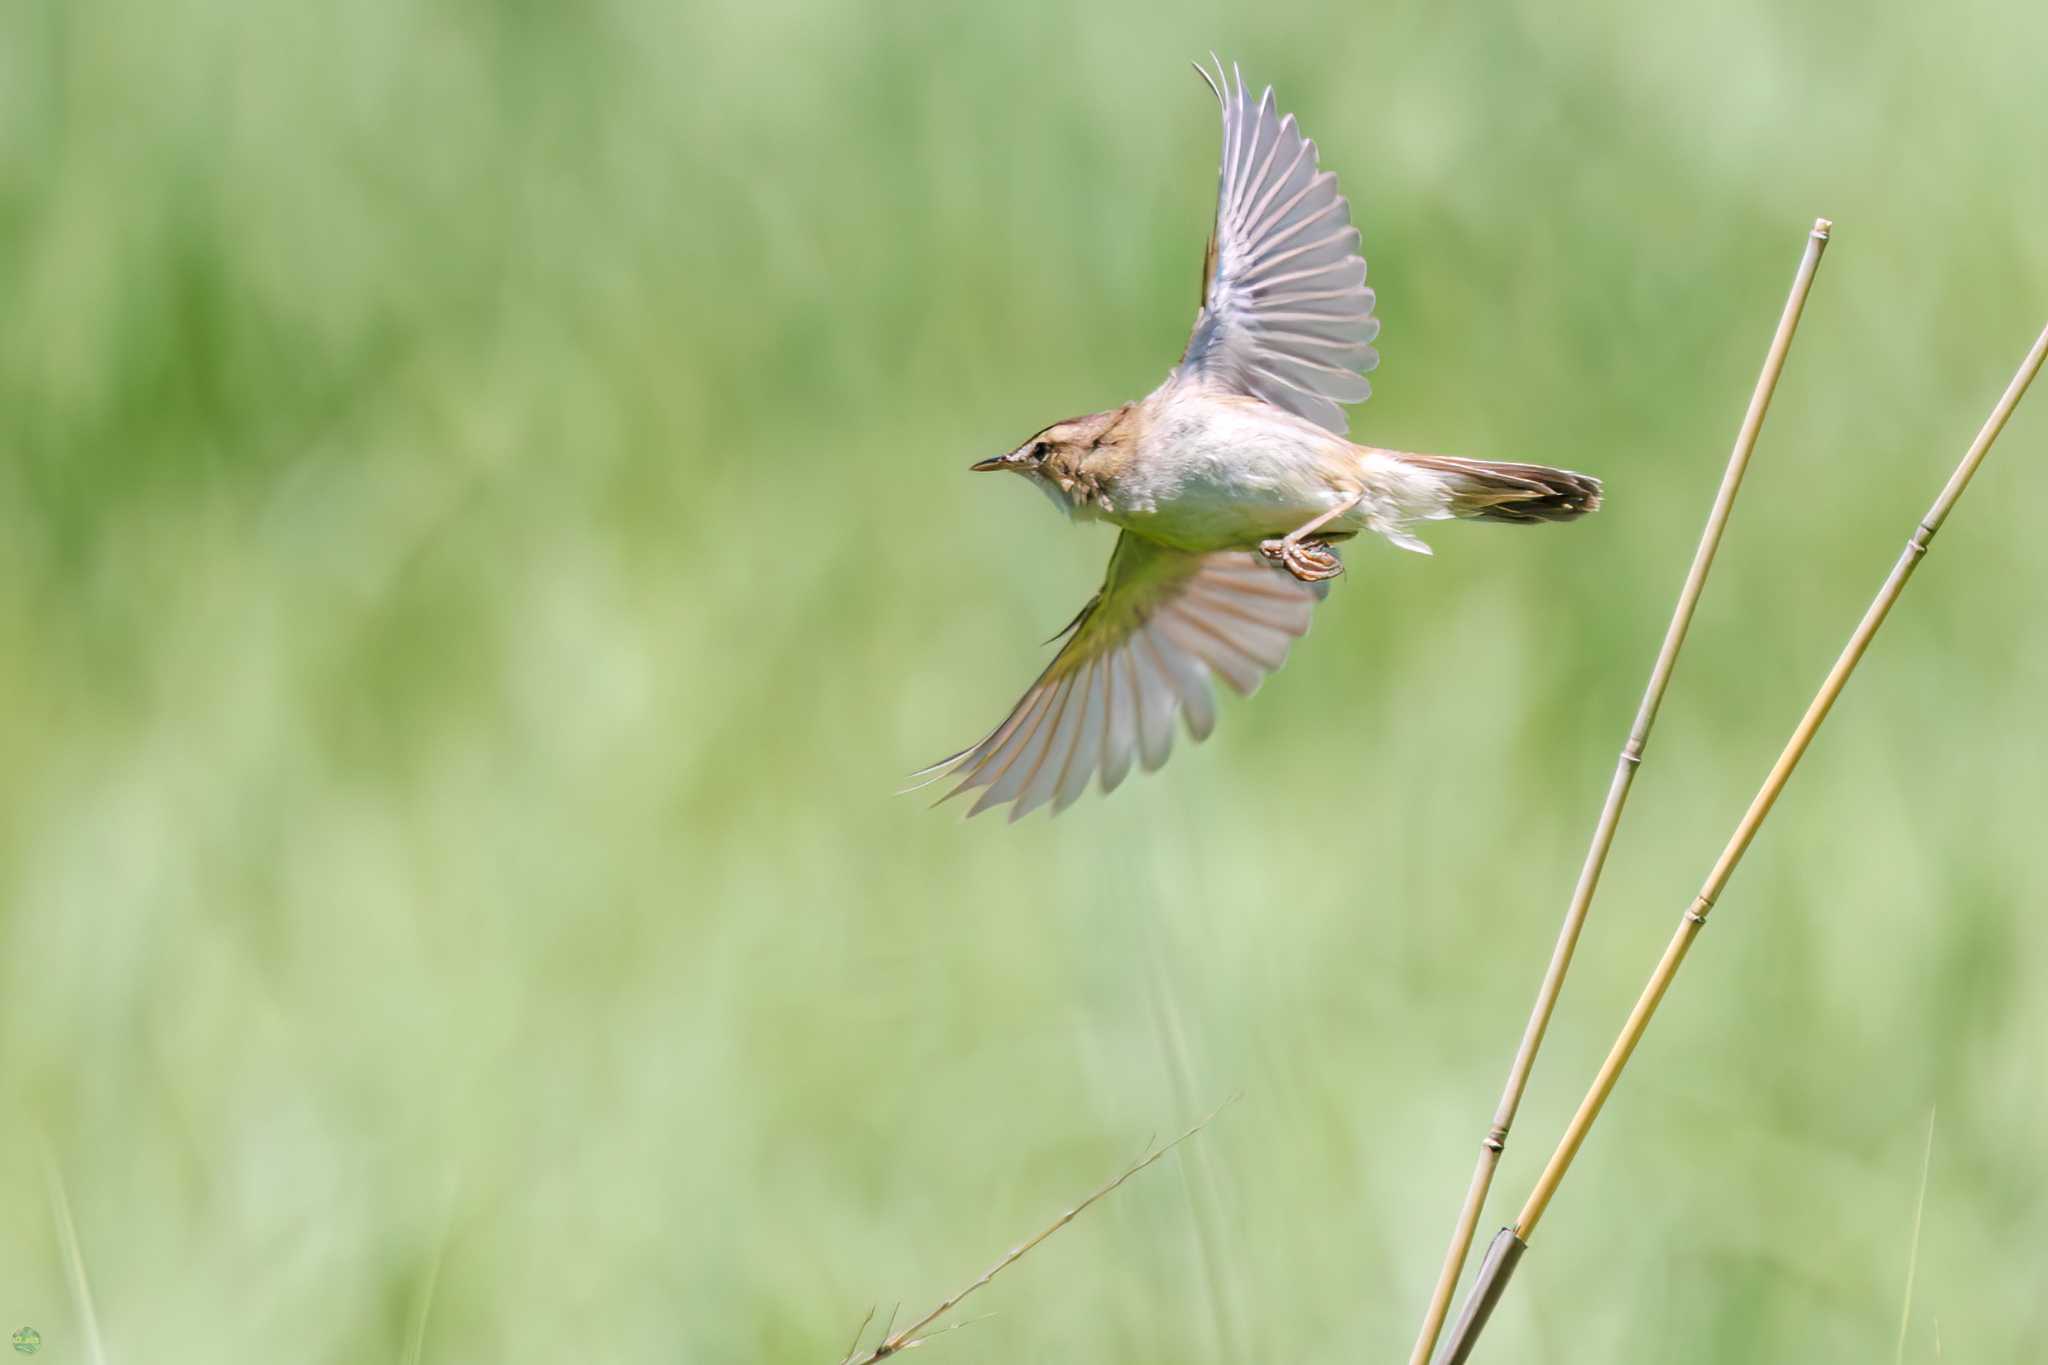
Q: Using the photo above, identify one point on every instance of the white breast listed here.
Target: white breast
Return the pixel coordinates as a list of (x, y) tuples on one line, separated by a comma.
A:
[(1216, 471), (1211, 473)]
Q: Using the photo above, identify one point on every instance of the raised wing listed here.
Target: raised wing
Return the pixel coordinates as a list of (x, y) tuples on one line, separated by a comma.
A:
[(1142, 650), (1285, 312)]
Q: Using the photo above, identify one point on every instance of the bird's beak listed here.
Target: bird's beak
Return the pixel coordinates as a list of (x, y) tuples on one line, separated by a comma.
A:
[(995, 462)]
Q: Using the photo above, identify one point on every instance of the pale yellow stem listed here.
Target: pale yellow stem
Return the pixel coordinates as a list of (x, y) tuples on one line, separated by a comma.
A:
[(1617, 796), (1487, 1288)]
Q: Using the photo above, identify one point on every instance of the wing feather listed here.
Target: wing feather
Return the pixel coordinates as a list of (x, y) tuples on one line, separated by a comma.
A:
[(1120, 734), (1085, 759), (1156, 704), (1283, 240), (1038, 782), (1203, 642), (1004, 769), (1143, 651), (1266, 644)]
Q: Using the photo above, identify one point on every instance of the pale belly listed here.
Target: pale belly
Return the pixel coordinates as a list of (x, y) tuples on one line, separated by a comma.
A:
[(1213, 475)]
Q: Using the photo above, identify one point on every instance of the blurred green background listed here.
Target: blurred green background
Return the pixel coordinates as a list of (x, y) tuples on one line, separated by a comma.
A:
[(483, 531)]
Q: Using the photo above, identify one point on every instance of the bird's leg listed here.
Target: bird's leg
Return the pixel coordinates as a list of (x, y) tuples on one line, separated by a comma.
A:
[(1305, 554)]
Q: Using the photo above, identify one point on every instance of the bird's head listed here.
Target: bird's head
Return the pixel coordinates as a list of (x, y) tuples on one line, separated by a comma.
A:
[(1068, 459)]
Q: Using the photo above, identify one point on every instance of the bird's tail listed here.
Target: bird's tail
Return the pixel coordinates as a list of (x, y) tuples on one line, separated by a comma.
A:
[(1522, 493)]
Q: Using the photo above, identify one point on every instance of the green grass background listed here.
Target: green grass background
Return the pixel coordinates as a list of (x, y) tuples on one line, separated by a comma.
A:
[(483, 530)]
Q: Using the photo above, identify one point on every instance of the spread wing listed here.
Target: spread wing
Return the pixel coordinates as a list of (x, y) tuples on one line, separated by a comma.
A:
[(1142, 649), (1285, 312)]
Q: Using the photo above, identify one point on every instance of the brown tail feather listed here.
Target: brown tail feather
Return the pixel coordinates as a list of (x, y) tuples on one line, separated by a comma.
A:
[(1520, 493)]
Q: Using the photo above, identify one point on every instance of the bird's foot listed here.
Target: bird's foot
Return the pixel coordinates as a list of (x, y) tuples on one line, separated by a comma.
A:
[(1310, 560)]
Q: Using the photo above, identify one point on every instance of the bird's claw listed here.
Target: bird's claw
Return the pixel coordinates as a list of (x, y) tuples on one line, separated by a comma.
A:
[(1311, 560)]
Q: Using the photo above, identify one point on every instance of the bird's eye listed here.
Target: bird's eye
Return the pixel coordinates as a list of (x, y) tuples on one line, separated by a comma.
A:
[(1041, 450)]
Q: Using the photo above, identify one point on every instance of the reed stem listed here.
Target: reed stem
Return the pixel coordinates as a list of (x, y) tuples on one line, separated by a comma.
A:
[(1487, 1288), (1625, 767)]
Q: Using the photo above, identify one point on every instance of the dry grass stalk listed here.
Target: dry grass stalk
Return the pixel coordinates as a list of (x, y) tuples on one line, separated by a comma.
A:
[(1509, 1244), (1913, 1252), (74, 1260), (1625, 767), (923, 1330)]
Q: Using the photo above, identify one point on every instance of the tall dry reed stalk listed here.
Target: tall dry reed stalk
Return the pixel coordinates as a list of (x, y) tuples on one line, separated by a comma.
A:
[(1508, 1246), (1631, 758)]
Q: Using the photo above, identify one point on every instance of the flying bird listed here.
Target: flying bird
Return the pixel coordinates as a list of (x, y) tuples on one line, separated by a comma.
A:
[(1232, 483)]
